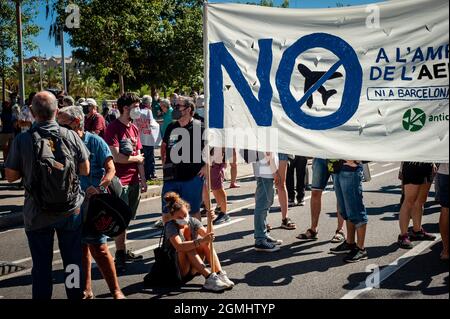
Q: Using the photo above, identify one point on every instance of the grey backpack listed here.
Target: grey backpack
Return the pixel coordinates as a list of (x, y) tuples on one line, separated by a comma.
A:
[(55, 185)]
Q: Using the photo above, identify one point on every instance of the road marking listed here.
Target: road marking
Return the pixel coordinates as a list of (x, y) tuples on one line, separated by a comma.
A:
[(372, 164), (10, 230), (392, 268), (387, 172), (387, 165), (148, 236)]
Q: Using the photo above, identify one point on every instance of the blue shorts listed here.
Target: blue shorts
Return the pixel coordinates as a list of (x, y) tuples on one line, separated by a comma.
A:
[(320, 174), (349, 195), (190, 191), (283, 157)]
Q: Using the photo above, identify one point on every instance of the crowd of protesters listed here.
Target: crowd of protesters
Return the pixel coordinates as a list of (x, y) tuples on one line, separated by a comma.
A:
[(120, 142)]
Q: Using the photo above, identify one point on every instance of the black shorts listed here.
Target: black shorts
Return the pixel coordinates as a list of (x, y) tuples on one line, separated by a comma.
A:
[(417, 173), (443, 181)]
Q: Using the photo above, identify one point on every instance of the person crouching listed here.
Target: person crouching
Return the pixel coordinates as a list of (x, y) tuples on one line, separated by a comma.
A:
[(192, 243)]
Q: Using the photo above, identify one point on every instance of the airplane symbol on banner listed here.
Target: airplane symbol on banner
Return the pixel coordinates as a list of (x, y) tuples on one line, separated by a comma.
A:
[(314, 78)]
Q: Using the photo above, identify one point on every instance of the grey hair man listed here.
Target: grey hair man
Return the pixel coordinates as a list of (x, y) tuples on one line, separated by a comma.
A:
[(40, 227), (101, 176)]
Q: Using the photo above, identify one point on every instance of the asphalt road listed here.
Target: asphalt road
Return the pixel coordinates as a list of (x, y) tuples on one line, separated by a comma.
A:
[(298, 270)]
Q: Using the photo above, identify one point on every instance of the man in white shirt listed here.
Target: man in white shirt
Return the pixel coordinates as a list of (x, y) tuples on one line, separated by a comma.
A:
[(150, 135), (267, 176)]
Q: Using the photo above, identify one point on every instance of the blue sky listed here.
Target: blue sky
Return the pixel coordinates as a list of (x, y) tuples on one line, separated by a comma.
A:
[(48, 48)]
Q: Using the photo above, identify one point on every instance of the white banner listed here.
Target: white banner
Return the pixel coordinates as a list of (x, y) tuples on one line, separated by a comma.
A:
[(365, 83)]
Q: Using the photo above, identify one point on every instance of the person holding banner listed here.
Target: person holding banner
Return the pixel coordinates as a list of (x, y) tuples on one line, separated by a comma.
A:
[(192, 243), (348, 177), (442, 179), (267, 176), (417, 180), (184, 169)]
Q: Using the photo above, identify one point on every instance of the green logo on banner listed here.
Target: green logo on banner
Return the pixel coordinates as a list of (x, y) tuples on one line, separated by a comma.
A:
[(414, 120)]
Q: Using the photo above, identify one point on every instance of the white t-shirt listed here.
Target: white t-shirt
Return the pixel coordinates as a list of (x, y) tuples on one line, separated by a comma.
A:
[(443, 169), (148, 128), (262, 168)]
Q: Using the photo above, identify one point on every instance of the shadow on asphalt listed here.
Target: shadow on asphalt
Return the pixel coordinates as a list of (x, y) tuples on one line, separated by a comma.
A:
[(422, 271)]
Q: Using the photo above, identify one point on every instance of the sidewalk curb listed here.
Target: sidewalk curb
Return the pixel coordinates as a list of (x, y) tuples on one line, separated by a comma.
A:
[(16, 219)]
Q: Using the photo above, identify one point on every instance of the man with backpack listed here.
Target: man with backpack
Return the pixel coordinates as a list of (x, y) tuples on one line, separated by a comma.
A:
[(49, 159)]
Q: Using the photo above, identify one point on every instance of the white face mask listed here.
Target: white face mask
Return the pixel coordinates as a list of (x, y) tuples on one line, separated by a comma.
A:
[(182, 222), (135, 113)]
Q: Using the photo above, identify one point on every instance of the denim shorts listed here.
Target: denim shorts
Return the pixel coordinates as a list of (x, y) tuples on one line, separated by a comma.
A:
[(190, 191), (88, 239), (320, 174), (283, 157), (443, 189), (349, 195)]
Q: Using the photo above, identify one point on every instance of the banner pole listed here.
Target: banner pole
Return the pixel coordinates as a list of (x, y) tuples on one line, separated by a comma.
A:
[(210, 227)]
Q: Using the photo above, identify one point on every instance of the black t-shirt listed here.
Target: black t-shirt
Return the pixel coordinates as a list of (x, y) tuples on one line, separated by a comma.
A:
[(177, 166)]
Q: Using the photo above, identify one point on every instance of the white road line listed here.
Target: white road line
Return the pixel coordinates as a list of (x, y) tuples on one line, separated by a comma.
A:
[(372, 164), (388, 271), (159, 231), (146, 249), (10, 230), (387, 165), (387, 172)]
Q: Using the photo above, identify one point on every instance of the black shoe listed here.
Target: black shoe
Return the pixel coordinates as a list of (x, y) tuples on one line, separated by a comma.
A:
[(204, 213), (292, 203), (130, 256), (221, 219), (301, 202), (356, 255), (421, 236), (120, 262), (343, 248)]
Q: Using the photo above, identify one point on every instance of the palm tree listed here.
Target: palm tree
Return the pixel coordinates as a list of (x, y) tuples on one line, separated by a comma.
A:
[(86, 87), (52, 78)]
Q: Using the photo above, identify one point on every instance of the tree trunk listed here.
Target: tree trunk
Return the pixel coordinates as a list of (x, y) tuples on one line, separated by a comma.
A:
[(3, 90), (122, 84)]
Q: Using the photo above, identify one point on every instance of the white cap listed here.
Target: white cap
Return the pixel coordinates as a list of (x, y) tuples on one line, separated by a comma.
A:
[(89, 102)]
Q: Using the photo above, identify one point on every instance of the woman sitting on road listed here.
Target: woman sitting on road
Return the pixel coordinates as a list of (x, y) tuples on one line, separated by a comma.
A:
[(182, 232)]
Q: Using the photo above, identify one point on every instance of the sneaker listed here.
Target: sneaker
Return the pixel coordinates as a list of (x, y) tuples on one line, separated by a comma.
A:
[(224, 278), (267, 247), (221, 219), (343, 248), (356, 255), (213, 283), (204, 213), (130, 256), (120, 262), (276, 242), (159, 224), (421, 236), (292, 203), (404, 242), (301, 202)]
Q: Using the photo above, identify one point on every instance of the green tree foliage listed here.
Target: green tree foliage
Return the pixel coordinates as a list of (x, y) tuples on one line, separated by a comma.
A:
[(8, 34)]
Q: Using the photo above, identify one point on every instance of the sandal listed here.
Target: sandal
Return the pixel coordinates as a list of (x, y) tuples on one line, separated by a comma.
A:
[(269, 228), (309, 235), (288, 224), (339, 237), (88, 295)]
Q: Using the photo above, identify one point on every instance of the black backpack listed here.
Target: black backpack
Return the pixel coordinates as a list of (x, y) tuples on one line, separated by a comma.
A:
[(107, 214), (55, 185)]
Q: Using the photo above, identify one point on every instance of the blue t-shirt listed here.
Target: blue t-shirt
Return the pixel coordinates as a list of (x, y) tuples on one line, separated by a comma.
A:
[(100, 152)]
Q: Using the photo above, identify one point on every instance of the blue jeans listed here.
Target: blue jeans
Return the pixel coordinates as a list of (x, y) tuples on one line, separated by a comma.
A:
[(349, 194), (320, 174), (191, 191), (41, 248), (149, 162), (264, 197)]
